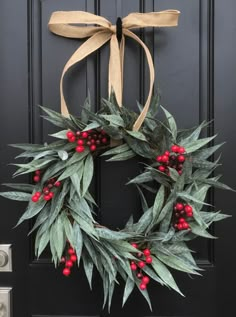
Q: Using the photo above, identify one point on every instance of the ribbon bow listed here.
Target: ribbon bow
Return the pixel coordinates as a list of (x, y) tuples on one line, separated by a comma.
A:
[(62, 23)]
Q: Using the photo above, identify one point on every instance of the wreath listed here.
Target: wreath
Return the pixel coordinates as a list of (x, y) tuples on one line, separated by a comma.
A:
[(177, 170)]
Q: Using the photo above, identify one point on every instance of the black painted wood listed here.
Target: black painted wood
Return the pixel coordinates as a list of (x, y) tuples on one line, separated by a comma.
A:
[(195, 71)]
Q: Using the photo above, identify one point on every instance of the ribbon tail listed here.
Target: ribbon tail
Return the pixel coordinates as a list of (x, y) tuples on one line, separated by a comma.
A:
[(88, 47), (115, 70), (143, 114)]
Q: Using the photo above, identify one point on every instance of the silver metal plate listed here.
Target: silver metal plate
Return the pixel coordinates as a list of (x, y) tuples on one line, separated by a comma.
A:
[(5, 302), (6, 264)]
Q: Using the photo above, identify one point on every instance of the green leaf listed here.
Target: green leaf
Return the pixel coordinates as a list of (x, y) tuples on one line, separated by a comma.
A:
[(87, 106), (197, 144), (78, 241), (137, 135), (58, 236), (71, 170), (142, 178), (32, 210), (165, 274), (108, 234), (63, 155), (210, 217), (87, 173), (206, 153), (88, 267), (20, 196), (76, 157), (171, 122), (129, 286), (60, 135), (177, 263), (167, 209), (158, 203), (144, 293), (91, 126), (199, 231), (115, 120), (25, 187), (68, 228), (144, 221), (122, 156), (117, 150), (191, 198), (42, 242)]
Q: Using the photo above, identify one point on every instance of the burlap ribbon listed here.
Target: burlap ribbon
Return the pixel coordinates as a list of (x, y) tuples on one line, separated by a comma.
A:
[(63, 24)]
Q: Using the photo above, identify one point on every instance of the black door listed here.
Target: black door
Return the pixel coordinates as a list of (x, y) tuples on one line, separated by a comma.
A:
[(195, 71)]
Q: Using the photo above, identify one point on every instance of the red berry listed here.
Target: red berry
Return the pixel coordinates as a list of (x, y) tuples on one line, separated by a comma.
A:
[(165, 158), (78, 133), (38, 172), (134, 245), (37, 194), (71, 251), (146, 252), (139, 275), (73, 258), (148, 259), (188, 208), (70, 134), (139, 255), (179, 206), (36, 178), (50, 185), (143, 286), (141, 264), (161, 168), (180, 172), (69, 263), (159, 158), (181, 220), (51, 194), (92, 141), (145, 279), (63, 260), (93, 147), (84, 135), (47, 197), (180, 226), (189, 214), (98, 142), (175, 148), (57, 184), (104, 140), (72, 139), (133, 266), (181, 150), (79, 148), (167, 153), (181, 158), (185, 225), (66, 271), (88, 143), (95, 136), (34, 199), (103, 132), (80, 142)]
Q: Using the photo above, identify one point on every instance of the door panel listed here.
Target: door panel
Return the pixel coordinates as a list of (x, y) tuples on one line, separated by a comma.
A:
[(189, 68)]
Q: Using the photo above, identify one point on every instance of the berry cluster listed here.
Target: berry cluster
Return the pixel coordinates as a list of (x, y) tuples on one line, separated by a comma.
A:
[(181, 212), (91, 138), (173, 159), (47, 192), (37, 176), (68, 261), (145, 258)]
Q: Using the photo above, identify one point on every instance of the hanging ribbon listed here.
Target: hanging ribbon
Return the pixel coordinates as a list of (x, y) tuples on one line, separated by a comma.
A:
[(62, 23)]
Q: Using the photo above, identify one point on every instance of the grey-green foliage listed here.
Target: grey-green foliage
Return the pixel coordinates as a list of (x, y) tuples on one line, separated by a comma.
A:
[(70, 215)]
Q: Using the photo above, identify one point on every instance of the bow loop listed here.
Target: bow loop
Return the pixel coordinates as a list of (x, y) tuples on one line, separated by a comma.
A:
[(67, 24)]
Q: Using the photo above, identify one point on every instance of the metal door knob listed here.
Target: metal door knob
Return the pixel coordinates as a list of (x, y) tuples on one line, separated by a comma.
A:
[(2, 310), (3, 259)]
